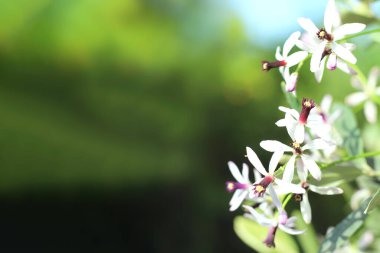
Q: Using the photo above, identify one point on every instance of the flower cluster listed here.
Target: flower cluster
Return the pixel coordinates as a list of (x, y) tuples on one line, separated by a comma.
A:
[(313, 138)]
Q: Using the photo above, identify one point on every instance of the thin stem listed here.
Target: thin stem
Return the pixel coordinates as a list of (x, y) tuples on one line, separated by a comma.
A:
[(360, 34), (361, 76), (287, 198), (301, 63), (351, 158)]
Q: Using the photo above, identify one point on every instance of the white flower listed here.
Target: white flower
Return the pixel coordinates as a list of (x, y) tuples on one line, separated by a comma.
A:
[(309, 42), (282, 222), (330, 35), (295, 122), (279, 148), (240, 188), (369, 95), (259, 188), (304, 199)]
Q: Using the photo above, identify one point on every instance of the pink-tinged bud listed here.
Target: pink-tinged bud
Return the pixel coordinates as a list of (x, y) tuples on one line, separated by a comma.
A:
[(269, 241), (266, 65), (307, 105), (291, 82), (232, 186), (260, 188), (332, 62), (282, 218)]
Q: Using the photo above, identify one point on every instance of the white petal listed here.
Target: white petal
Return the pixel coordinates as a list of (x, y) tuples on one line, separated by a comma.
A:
[(252, 157), (301, 170), (291, 82), (317, 56), (305, 209), (332, 62), (274, 197), (281, 123), (316, 144), (345, 29), (330, 14), (273, 146), (235, 172), (299, 133), (290, 42), (312, 167), (326, 103), (326, 190), (257, 175), (308, 25), (238, 200), (291, 222), (292, 112), (261, 219), (319, 72), (245, 173), (289, 170), (295, 58), (370, 111), (288, 187), (278, 54), (235, 196), (274, 161), (355, 98), (343, 52), (290, 231), (372, 78), (344, 67)]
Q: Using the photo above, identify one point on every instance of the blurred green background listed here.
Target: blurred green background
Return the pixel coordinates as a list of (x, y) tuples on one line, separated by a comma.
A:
[(119, 118)]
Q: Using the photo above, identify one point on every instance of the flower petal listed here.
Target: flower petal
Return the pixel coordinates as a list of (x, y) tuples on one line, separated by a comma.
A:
[(308, 25), (288, 187), (274, 146), (274, 161), (296, 58), (301, 170), (258, 217), (312, 167), (275, 199), (281, 123), (345, 29), (290, 42), (291, 82), (317, 56), (245, 173), (372, 78), (299, 133), (370, 111), (252, 157), (238, 200), (344, 67), (326, 190), (343, 52), (332, 62), (326, 103), (278, 54), (355, 98), (235, 196), (330, 15), (289, 170), (290, 231), (319, 72), (305, 209), (316, 144), (235, 172)]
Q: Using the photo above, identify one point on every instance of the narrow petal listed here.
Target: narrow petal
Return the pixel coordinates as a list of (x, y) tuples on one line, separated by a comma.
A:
[(344, 67), (355, 98), (299, 133), (281, 123), (288, 187), (326, 103), (260, 218), (345, 29), (238, 200), (257, 175), (312, 167), (291, 222), (316, 144), (274, 161), (274, 146), (319, 72), (306, 209), (290, 231), (295, 58), (278, 54), (245, 173), (275, 199), (372, 78), (291, 82), (332, 62), (330, 14), (301, 170), (326, 190), (308, 25), (289, 170), (292, 112), (290, 42), (317, 56), (235, 172), (370, 111), (343, 52), (252, 157), (235, 196)]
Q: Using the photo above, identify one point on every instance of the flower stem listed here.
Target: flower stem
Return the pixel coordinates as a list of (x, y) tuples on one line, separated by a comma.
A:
[(360, 34), (287, 198), (351, 158)]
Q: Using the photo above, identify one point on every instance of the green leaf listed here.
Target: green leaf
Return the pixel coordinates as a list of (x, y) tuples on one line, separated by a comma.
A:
[(291, 98), (375, 201), (253, 235), (309, 239), (347, 127), (338, 236)]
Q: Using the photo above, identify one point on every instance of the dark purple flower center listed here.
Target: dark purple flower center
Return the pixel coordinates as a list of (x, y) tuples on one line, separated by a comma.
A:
[(323, 35), (260, 188), (307, 105)]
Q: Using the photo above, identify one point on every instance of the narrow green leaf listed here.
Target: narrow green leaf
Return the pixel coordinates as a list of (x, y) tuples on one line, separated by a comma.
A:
[(291, 98), (338, 236), (253, 235), (375, 201)]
